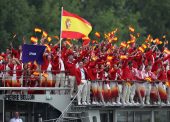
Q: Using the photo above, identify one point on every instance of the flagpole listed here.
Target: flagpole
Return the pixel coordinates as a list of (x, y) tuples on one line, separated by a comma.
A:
[(61, 28)]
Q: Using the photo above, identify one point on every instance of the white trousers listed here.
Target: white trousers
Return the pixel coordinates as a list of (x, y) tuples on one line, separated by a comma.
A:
[(120, 92), (126, 93), (148, 90), (82, 92), (132, 92), (88, 91), (72, 80), (60, 80)]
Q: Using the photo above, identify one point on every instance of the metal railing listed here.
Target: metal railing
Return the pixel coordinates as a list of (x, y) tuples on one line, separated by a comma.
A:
[(118, 82), (60, 118), (157, 86), (30, 81)]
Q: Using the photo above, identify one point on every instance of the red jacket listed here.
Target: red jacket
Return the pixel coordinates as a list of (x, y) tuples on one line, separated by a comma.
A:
[(16, 53), (78, 75), (45, 64), (149, 56), (55, 65), (162, 76), (155, 65), (100, 74), (18, 70), (10, 68), (54, 62), (2, 68), (71, 67), (112, 74), (92, 71), (168, 75), (127, 73)]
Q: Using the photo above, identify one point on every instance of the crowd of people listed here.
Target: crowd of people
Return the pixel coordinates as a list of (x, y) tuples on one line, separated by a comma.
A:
[(102, 72)]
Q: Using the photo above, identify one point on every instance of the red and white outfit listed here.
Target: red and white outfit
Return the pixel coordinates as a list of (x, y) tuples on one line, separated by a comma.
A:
[(47, 74), (17, 76), (81, 78), (127, 76), (60, 75), (148, 85), (7, 77), (113, 75)]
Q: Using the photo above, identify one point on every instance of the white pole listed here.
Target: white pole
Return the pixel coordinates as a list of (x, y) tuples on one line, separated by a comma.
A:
[(61, 27)]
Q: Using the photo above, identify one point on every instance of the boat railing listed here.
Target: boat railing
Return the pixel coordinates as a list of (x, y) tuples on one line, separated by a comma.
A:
[(108, 90), (61, 117), (32, 83)]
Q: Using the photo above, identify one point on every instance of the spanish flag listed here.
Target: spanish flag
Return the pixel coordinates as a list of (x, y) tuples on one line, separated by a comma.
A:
[(37, 30), (73, 26), (34, 39), (86, 41)]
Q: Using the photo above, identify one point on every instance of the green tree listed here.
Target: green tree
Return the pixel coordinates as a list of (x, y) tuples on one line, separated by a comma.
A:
[(16, 18)]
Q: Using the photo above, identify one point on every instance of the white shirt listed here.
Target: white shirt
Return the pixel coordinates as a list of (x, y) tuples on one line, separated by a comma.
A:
[(106, 75), (20, 58), (49, 67), (16, 120), (61, 65), (82, 74), (14, 70)]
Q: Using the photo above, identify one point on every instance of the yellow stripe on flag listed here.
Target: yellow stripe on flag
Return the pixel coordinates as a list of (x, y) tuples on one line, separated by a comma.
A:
[(45, 34), (37, 30), (166, 51), (97, 34), (141, 49), (48, 47), (75, 25), (34, 39), (49, 39), (123, 57)]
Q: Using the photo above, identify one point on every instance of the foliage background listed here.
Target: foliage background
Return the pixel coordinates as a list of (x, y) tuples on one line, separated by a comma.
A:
[(20, 17)]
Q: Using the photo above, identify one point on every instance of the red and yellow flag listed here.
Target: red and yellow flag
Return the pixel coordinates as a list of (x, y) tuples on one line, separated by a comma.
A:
[(37, 30), (73, 26), (97, 34), (45, 34), (86, 41), (131, 29), (166, 51), (34, 39), (49, 39)]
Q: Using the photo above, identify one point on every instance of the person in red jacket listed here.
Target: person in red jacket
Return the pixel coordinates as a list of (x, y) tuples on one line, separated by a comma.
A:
[(70, 65), (81, 78), (113, 75), (47, 71), (148, 76), (100, 77), (128, 77), (17, 53), (58, 65), (8, 72), (16, 73), (119, 84), (140, 87), (89, 84), (92, 72), (162, 77)]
